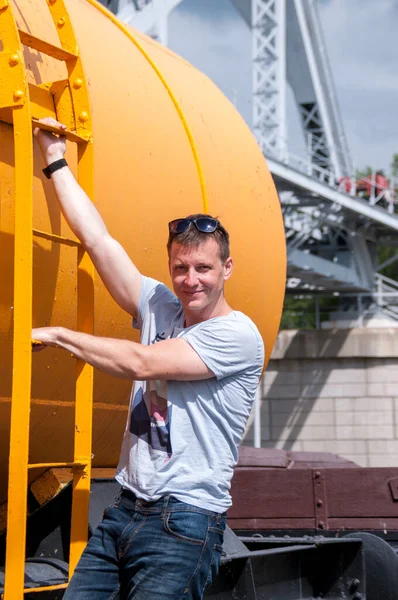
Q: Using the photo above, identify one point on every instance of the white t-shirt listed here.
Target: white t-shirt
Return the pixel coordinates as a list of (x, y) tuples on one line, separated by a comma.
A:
[(181, 437)]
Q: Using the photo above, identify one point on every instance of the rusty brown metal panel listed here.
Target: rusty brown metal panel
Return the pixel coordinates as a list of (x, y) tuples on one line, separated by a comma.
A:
[(272, 493), (285, 459), (271, 524), (320, 498), (263, 457), (322, 460), (385, 525), (362, 493)]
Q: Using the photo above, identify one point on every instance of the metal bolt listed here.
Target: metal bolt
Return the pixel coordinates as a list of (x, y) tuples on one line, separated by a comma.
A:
[(354, 584), (83, 117), (78, 83), (321, 525), (319, 503), (61, 22), (18, 95), (317, 474), (13, 60)]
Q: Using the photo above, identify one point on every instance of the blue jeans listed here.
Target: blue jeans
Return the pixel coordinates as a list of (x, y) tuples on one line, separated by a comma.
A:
[(163, 550)]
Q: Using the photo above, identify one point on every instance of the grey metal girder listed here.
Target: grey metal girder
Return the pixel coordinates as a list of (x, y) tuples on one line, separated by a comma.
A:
[(291, 179), (324, 273)]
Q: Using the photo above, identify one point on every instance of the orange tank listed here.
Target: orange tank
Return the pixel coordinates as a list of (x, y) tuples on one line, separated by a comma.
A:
[(155, 160)]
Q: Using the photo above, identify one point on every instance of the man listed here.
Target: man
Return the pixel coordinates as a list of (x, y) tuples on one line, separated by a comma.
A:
[(195, 371)]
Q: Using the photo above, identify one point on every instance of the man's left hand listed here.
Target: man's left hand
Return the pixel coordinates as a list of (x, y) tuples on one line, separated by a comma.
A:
[(44, 336)]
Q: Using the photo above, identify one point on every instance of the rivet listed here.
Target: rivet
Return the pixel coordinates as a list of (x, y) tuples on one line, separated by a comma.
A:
[(13, 60), (319, 503), (83, 117), (317, 474), (78, 83), (18, 95), (321, 525), (61, 22)]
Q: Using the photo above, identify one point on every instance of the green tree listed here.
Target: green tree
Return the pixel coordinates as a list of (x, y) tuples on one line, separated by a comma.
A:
[(385, 254), (363, 173), (394, 166)]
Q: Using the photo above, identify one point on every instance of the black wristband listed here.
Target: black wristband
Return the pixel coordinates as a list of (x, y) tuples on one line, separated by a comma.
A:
[(58, 164)]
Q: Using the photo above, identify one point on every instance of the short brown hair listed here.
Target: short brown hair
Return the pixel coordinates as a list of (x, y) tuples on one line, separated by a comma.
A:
[(193, 237)]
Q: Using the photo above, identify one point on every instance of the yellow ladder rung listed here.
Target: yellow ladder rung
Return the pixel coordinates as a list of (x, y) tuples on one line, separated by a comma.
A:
[(47, 588), (75, 464), (27, 39), (72, 136), (58, 239)]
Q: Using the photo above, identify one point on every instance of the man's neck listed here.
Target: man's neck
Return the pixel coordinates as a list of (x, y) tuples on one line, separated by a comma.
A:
[(194, 317)]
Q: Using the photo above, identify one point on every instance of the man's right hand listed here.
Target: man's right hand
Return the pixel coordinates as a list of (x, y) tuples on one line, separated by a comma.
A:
[(52, 147)]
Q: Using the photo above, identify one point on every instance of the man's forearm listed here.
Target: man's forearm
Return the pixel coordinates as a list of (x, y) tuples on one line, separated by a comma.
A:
[(120, 358)]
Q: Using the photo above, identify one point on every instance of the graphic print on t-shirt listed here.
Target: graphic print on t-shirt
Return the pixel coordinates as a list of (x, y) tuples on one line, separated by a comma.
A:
[(150, 416)]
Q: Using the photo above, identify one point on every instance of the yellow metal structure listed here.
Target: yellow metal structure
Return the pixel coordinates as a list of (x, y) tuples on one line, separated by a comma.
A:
[(16, 96), (167, 143)]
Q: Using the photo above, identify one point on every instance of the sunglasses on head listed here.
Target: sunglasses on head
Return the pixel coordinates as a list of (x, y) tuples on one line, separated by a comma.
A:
[(203, 224)]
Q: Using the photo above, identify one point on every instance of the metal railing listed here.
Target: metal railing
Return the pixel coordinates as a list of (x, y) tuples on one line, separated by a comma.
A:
[(313, 312), (370, 188)]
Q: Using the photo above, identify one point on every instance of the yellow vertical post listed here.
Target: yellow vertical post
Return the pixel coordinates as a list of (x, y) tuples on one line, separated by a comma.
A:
[(22, 357), (14, 95), (84, 381)]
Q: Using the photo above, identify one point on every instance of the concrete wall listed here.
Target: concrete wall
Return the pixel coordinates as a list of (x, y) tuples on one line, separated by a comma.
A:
[(333, 391)]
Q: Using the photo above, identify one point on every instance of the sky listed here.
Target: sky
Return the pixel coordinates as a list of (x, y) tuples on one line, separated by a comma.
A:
[(362, 44)]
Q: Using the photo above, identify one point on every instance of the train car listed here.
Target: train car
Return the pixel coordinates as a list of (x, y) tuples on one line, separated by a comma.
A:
[(311, 525), (150, 138)]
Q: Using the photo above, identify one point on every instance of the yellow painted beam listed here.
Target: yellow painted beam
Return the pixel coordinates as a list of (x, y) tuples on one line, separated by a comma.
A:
[(85, 380), (60, 586), (14, 94), (22, 357), (27, 39), (58, 239)]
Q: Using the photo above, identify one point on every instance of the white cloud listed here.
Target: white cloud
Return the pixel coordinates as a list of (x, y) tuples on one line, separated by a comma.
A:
[(361, 43)]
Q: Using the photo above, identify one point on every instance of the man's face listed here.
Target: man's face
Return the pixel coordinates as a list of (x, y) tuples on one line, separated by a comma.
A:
[(198, 274)]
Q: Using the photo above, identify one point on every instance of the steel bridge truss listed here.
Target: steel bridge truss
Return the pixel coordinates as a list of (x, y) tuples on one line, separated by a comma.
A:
[(268, 22)]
